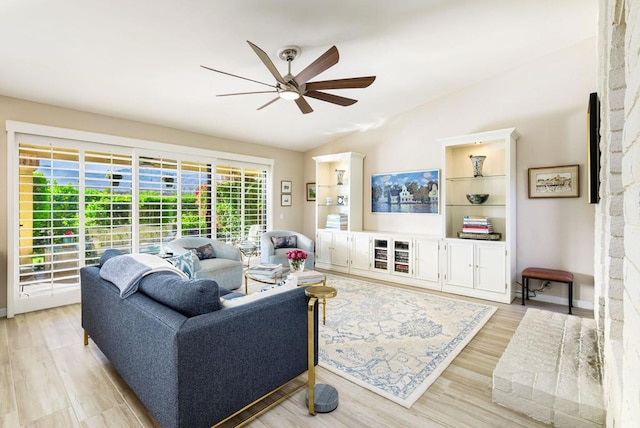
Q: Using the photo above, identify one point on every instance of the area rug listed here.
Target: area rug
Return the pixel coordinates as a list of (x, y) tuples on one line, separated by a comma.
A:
[(392, 341)]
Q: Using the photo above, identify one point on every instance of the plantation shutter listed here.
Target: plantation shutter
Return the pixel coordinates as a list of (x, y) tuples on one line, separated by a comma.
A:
[(108, 210), (241, 193), (49, 253), (196, 198), (158, 203)]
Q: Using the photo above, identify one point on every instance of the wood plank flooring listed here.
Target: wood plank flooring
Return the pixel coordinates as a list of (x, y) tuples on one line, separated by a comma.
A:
[(49, 379)]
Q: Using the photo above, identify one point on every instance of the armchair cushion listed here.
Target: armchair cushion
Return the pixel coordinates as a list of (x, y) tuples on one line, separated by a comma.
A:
[(290, 241), (204, 252)]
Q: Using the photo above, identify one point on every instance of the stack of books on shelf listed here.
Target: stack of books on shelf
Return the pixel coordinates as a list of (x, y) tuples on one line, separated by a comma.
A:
[(307, 277), (475, 224), (265, 269), (476, 227), (337, 221)]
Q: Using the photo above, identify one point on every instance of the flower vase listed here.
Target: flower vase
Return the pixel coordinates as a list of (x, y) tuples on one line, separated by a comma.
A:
[(477, 162), (296, 265)]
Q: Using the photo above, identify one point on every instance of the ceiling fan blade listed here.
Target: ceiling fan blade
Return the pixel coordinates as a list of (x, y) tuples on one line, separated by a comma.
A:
[(247, 93), (239, 77), (303, 105), (352, 83), (330, 98), (269, 103), (324, 61), (267, 62)]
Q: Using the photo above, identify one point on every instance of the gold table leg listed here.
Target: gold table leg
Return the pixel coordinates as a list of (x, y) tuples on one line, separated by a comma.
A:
[(310, 352)]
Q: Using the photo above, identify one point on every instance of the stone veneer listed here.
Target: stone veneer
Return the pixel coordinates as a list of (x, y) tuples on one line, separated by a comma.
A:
[(617, 226), (551, 371)]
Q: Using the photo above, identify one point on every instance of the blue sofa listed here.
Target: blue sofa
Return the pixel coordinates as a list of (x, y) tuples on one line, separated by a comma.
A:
[(196, 371)]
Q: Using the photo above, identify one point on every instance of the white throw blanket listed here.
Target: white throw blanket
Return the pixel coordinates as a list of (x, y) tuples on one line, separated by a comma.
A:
[(127, 270)]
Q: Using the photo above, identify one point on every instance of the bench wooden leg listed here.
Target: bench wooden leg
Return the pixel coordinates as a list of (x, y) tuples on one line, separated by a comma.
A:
[(570, 296)]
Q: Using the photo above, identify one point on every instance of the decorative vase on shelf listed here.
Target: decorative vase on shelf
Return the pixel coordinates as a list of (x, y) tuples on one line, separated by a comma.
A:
[(477, 162), (340, 176)]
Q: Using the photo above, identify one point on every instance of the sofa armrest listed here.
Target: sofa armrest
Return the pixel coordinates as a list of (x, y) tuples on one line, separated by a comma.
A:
[(241, 353)]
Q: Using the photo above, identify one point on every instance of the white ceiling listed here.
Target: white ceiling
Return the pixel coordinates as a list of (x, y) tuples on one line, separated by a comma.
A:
[(140, 59)]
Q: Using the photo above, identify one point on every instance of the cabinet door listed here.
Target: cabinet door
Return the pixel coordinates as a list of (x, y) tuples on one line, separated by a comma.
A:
[(460, 264), (323, 247), (360, 253), (427, 260), (490, 267), (340, 250), (401, 257), (381, 254)]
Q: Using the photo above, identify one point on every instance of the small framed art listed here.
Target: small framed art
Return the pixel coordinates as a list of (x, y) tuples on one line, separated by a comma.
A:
[(285, 200), (311, 191), (554, 182), (285, 186)]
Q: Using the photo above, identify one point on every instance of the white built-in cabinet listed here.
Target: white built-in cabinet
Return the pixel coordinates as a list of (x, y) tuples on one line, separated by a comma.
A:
[(391, 257), (478, 267)]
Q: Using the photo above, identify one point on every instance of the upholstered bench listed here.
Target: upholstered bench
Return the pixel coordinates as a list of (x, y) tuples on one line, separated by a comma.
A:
[(546, 275)]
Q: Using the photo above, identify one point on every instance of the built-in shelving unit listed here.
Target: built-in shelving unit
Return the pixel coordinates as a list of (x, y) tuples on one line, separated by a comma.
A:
[(479, 267)]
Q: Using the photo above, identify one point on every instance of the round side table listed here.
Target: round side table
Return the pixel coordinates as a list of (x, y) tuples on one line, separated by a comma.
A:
[(321, 397)]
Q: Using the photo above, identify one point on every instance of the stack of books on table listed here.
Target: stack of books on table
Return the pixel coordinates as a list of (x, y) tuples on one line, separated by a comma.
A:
[(475, 224), (337, 221), (307, 277), (265, 269)]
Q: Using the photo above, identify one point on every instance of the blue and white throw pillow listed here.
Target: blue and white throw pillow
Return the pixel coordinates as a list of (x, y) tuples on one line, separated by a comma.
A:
[(184, 262)]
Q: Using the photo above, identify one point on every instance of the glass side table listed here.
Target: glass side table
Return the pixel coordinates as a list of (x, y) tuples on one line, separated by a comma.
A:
[(321, 398)]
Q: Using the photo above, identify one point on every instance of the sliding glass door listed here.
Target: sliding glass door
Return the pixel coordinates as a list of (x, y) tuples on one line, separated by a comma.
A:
[(77, 199)]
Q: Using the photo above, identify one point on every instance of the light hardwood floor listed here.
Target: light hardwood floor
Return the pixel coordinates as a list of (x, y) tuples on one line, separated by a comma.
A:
[(49, 379)]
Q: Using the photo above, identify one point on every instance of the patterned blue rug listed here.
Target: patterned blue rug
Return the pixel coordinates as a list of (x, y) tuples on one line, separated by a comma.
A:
[(392, 341)]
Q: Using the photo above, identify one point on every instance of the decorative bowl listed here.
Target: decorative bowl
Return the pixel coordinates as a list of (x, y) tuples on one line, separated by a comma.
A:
[(478, 198)]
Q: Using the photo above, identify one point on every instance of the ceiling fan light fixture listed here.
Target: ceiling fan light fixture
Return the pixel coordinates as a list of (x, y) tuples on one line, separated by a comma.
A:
[(288, 94)]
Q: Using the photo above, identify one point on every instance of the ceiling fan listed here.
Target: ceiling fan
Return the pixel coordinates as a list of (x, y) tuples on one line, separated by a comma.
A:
[(290, 87)]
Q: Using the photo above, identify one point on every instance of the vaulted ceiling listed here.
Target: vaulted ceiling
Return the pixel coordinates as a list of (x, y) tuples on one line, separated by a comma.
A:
[(140, 59)]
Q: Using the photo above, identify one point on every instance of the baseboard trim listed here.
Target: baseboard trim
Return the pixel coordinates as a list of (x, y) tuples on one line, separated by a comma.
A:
[(582, 304), (3, 312)]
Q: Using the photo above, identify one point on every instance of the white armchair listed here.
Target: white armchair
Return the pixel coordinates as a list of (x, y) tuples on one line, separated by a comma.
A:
[(225, 268), (272, 251)]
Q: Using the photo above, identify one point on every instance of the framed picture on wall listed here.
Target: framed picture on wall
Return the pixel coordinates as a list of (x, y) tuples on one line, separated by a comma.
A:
[(311, 191), (285, 200), (554, 182), (415, 192), (285, 186)]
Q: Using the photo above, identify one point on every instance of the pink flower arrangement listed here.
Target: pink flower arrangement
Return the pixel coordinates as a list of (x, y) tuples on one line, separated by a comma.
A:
[(296, 259), (296, 255)]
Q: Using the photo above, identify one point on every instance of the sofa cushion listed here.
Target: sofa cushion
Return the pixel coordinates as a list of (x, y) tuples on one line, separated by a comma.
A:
[(204, 252), (109, 254), (190, 297), (184, 262), (290, 241)]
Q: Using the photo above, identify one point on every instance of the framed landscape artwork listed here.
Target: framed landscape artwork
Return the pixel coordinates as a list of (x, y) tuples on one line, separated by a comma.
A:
[(554, 182), (415, 192), (311, 191)]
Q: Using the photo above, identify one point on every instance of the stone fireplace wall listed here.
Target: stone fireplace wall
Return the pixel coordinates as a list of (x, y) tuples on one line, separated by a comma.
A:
[(617, 225)]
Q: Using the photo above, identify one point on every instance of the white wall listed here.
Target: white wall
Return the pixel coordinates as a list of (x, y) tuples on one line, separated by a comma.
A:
[(546, 101)]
